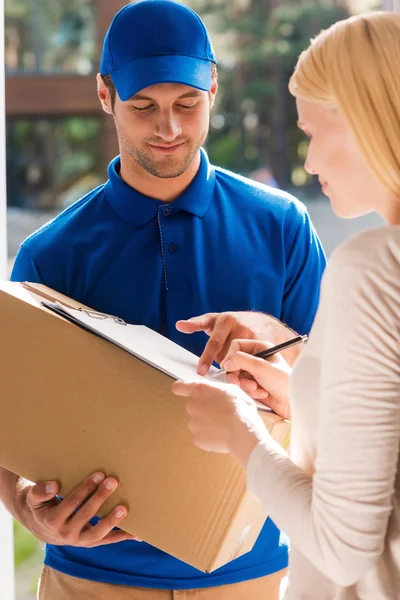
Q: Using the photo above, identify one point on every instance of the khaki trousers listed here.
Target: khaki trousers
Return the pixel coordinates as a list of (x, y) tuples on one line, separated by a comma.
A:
[(54, 585)]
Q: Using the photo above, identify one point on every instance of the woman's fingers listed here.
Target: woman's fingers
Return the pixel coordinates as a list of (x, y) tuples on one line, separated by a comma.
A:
[(241, 361), (246, 346)]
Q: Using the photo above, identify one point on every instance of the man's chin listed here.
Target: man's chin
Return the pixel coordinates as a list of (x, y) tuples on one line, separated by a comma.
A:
[(168, 168)]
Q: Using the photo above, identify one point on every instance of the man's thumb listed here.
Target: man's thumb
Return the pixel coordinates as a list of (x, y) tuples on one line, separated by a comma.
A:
[(42, 492)]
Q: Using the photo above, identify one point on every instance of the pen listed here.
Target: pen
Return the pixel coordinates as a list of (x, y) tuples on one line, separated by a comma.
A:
[(274, 350)]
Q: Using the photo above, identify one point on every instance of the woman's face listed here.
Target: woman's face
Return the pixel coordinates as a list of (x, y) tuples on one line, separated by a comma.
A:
[(335, 158)]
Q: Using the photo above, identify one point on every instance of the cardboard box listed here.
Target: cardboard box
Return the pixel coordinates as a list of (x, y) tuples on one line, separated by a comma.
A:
[(73, 403)]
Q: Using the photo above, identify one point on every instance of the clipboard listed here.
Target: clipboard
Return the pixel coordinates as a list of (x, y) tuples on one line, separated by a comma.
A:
[(149, 346)]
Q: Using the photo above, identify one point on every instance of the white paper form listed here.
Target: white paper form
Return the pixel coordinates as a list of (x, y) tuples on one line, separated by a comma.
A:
[(144, 343), (148, 345)]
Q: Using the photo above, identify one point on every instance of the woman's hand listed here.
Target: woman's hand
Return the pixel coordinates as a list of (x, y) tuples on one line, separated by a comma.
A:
[(263, 380), (222, 418), (225, 327)]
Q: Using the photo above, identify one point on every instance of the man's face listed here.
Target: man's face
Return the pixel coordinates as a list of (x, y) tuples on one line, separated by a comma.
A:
[(163, 126)]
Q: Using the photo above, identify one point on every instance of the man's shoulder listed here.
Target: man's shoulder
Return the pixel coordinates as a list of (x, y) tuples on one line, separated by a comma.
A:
[(257, 196), (67, 224)]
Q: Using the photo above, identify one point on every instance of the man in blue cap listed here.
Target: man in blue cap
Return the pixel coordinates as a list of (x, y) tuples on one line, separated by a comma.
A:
[(167, 237)]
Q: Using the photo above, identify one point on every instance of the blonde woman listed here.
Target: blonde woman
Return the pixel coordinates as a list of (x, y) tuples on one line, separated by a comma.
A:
[(338, 495)]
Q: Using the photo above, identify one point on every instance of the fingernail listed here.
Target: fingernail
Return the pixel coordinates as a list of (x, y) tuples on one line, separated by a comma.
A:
[(98, 478), (228, 365), (50, 488), (111, 483), (120, 512), (203, 369)]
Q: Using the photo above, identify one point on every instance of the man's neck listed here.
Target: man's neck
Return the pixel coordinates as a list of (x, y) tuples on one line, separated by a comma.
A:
[(164, 189)]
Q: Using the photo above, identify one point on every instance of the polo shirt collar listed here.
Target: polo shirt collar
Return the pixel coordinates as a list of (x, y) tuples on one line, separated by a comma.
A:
[(138, 209)]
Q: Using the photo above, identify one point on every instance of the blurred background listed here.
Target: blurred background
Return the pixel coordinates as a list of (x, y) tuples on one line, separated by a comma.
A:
[(59, 141)]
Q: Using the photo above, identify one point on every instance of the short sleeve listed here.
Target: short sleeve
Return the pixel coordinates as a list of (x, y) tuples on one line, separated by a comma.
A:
[(305, 264), (25, 267)]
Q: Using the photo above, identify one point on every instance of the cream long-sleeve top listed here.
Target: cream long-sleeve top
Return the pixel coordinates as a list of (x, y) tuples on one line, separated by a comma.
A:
[(338, 495)]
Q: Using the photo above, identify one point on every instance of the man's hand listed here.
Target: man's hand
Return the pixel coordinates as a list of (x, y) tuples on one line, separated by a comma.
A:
[(225, 327), (61, 523)]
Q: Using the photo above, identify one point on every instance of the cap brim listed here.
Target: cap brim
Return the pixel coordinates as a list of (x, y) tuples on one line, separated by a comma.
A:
[(144, 72)]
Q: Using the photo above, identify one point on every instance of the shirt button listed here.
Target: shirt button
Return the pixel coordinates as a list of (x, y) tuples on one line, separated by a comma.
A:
[(173, 248), (167, 211)]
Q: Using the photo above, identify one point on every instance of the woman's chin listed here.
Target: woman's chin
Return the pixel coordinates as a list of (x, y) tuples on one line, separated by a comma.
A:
[(344, 210)]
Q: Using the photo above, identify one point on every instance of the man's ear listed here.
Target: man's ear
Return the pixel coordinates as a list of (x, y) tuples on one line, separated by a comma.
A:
[(104, 95), (213, 90)]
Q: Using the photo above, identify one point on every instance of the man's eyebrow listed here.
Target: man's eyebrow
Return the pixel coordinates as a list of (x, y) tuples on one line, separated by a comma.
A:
[(140, 97), (191, 94)]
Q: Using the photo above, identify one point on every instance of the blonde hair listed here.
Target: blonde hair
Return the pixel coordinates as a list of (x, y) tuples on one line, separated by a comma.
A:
[(355, 66)]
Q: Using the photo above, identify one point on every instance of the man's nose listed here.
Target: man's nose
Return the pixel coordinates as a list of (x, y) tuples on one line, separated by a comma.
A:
[(168, 127)]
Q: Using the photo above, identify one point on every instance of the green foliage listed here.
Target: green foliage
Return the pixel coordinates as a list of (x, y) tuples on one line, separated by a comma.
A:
[(266, 38), (225, 150), (49, 36), (25, 544)]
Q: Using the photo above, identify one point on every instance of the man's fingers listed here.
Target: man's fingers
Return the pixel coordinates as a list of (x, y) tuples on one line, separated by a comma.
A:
[(91, 508), (77, 497), (41, 493), (113, 538), (201, 323), (105, 526), (214, 346), (236, 346)]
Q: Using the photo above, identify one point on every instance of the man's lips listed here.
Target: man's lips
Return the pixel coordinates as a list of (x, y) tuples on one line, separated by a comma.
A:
[(172, 149)]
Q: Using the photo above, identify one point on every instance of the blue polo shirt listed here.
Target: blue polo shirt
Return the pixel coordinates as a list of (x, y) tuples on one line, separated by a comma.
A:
[(227, 243)]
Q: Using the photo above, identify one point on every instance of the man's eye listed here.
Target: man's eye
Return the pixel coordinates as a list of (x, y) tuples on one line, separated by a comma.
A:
[(187, 107), (142, 108)]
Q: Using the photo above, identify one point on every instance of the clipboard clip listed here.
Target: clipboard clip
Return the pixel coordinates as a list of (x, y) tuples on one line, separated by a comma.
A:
[(98, 315)]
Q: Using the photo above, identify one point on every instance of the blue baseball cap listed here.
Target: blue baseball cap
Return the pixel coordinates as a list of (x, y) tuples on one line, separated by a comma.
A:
[(157, 41)]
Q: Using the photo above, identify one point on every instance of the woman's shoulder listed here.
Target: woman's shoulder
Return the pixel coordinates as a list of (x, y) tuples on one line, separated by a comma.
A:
[(372, 249), (365, 271)]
